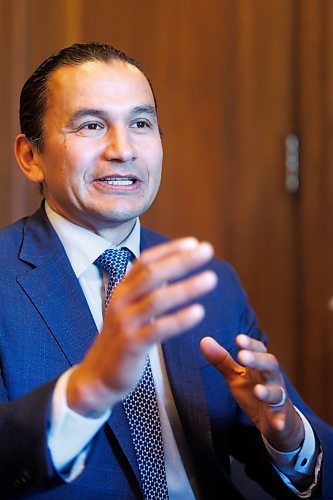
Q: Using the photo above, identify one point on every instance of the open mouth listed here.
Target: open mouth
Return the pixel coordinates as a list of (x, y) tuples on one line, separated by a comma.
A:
[(118, 181), (114, 180)]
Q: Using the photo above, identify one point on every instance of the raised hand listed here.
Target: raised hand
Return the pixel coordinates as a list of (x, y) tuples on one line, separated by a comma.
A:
[(139, 315), (257, 384)]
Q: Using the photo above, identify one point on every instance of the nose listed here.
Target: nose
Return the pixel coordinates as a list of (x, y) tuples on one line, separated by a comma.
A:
[(119, 145)]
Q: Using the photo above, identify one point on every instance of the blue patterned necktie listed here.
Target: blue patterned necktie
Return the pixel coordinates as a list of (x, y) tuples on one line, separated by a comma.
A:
[(140, 404)]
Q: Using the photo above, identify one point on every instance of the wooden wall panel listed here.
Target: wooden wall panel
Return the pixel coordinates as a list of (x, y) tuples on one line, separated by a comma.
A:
[(316, 211), (327, 378), (258, 212), (12, 52), (30, 30)]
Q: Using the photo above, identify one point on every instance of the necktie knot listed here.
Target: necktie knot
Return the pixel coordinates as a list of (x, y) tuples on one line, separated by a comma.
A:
[(114, 261)]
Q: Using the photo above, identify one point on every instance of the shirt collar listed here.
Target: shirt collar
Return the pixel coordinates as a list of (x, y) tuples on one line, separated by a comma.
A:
[(83, 246)]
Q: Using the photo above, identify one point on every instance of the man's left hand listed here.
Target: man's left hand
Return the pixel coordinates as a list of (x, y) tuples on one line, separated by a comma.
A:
[(258, 387)]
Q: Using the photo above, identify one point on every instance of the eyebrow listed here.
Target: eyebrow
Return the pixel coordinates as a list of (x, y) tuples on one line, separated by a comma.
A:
[(145, 109), (83, 113)]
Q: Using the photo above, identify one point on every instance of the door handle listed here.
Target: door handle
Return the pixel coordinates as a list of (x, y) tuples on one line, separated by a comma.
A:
[(292, 167)]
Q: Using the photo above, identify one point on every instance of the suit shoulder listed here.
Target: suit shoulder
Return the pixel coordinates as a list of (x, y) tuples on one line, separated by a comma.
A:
[(151, 238), (224, 267), (12, 233)]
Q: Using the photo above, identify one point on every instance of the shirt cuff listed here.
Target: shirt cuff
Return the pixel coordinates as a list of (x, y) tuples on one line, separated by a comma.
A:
[(70, 433), (298, 466)]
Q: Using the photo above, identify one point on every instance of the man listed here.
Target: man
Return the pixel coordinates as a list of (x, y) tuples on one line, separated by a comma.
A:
[(90, 138)]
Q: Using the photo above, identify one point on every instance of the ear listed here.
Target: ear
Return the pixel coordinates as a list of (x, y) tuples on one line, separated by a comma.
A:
[(27, 157)]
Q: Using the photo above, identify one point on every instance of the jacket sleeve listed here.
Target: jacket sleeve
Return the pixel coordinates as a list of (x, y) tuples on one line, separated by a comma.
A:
[(25, 464)]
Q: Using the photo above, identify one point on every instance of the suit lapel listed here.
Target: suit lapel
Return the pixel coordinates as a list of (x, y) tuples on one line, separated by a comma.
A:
[(120, 428), (54, 290), (181, 360)]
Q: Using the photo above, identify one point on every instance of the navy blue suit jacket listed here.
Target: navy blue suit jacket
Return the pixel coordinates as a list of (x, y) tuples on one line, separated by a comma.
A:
[(46, 326)]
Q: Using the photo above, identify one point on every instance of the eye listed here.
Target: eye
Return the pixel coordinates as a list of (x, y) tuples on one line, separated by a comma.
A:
[(142, 124), (90, 128)]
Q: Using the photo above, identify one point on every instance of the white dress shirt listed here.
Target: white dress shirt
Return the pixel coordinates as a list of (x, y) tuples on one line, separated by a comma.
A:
[(70, 447)]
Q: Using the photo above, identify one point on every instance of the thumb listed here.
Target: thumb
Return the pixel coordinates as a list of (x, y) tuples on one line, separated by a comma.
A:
[(219, 357)]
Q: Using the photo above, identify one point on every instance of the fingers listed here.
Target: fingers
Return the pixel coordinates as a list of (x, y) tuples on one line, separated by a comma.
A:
[(265, 363), (271, 391), (160, 251), (276, 400), (246, 342), (161, 300), (273, 395), (255, 357), (256, 364), (147, 320), (219, 357), (172, 324), (162, 264), (253, 354)]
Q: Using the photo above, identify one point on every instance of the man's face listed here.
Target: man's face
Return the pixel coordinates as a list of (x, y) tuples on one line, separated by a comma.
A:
[(102, 155)]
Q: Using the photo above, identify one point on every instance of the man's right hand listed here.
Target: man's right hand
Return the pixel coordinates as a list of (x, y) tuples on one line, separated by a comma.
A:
[(138, 316)]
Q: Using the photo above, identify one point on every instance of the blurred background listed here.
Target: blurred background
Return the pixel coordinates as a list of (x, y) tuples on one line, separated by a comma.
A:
[(245, 93)]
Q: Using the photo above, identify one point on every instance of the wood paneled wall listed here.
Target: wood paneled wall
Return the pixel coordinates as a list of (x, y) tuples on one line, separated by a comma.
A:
[(232, 79), (315, 217)]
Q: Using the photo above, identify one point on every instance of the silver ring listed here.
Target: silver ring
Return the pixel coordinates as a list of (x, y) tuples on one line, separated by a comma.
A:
[(282, 400)]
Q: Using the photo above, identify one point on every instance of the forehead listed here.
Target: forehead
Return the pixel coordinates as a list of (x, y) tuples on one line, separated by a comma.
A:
[(95, 83)]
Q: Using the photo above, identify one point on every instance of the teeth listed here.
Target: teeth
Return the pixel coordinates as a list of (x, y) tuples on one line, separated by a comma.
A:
[(118, 182)]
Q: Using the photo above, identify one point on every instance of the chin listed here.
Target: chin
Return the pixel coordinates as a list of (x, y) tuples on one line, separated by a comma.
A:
[(125, 214), (119, 218)]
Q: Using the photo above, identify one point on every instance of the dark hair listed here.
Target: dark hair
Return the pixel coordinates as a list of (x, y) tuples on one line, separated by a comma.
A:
[(33, 100)]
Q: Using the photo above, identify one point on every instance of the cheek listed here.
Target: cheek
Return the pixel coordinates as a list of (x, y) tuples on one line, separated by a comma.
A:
[(154, 160), (62, 178), (75, 156), (154, 176), (71, 166)]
